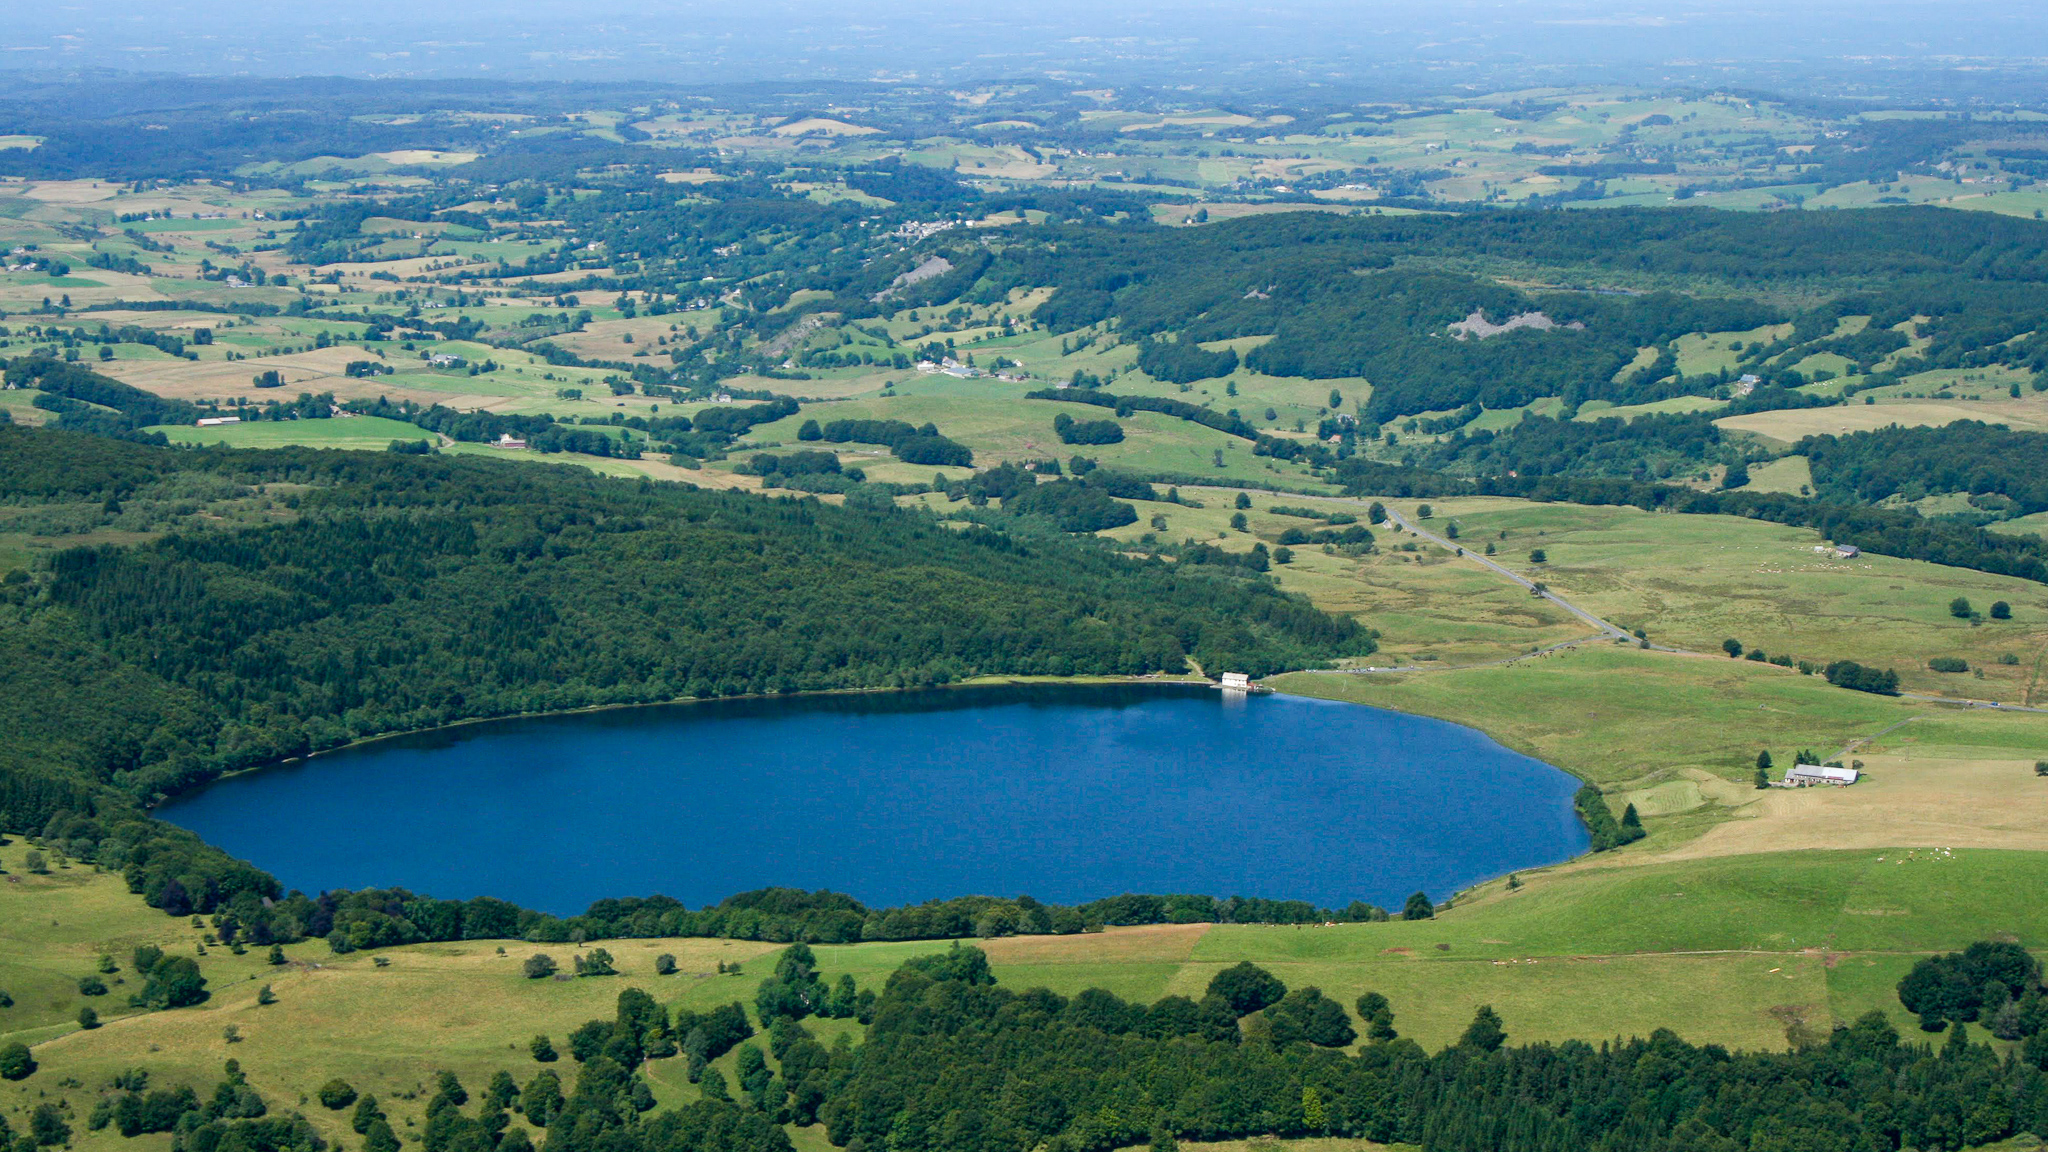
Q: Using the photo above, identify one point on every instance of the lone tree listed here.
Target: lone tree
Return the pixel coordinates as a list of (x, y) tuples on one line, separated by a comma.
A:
[(2000, 610), (1418, 907), (15, 1062), (277, 954), (1243, 500), (1960, 608), (46, 1127), (367, 1113), (1485, 1033), (1247, 988), (665, 965), (1732, 647), (539, 966), (542, 1049)]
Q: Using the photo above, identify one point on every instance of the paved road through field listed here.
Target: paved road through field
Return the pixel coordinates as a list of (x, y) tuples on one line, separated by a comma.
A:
[(1612, 631)]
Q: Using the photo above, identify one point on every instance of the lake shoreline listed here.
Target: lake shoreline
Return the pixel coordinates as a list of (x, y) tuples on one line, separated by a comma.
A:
[(594, 709), (1066, 788)]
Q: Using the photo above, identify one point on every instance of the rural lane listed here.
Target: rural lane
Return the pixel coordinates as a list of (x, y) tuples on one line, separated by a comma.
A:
[(1615, 632), (1611, 631)]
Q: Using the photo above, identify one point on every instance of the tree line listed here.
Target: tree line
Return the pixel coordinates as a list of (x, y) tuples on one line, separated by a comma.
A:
[(952, 1061)]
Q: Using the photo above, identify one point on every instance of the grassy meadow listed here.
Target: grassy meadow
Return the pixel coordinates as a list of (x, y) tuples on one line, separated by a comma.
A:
[(1748, 951), (1696, 581)]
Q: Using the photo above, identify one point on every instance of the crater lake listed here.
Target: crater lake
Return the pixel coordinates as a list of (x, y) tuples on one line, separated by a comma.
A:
[(1064, 792)]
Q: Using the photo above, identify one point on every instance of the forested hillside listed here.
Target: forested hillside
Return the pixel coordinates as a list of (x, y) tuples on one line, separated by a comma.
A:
[(389, 592), (398, 592), (1380, 296), (2001, 470)]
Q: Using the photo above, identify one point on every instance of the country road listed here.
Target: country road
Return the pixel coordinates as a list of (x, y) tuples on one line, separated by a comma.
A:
[(1611, 631), (1605, 629)]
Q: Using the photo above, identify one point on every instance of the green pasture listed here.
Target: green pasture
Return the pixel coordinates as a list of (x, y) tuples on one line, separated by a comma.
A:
[(1743, 951), (1618, 716), (994, 419), (1425, 605), (1695, 581), (359, 432)]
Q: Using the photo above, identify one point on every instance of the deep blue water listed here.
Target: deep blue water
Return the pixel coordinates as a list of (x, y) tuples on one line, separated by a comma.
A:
[(1064, 792)]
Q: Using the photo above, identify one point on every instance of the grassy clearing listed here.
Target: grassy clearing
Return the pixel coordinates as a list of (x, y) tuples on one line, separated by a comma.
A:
[(1787, 426), (1695, 581), (1789, 474), (1425, 605), (1620, 717), (361, 432)]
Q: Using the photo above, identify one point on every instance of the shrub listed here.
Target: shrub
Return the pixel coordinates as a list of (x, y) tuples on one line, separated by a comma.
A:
[(1072, 431), (1849, 674), (2000, 610), (15, 1062), (1948, 664), (538, 966), (1959, 608), (337, 1094)]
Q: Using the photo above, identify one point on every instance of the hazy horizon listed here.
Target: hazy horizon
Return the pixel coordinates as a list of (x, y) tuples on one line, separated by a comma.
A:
[(1941, 51)]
